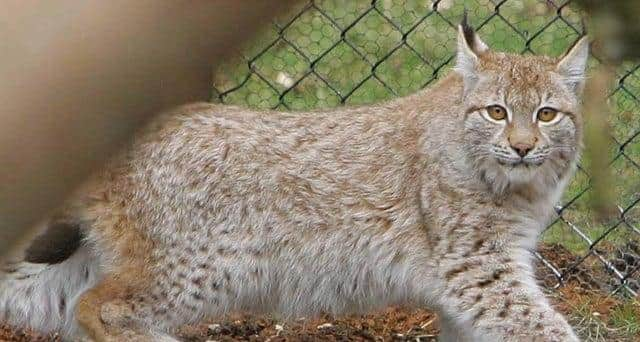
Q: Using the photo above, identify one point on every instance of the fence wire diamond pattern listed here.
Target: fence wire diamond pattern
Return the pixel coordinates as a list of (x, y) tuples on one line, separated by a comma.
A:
[(327, 53)]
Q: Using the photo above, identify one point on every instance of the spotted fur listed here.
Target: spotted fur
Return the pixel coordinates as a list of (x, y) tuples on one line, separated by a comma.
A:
[(419, 200)]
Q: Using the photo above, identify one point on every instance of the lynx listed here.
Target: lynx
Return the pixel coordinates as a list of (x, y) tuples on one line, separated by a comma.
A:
[(433, 200)]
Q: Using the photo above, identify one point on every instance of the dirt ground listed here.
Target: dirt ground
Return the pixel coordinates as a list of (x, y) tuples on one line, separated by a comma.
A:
[(391, 324)]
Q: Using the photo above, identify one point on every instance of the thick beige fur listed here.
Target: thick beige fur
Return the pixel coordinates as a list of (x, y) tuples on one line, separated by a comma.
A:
[(421, 200)]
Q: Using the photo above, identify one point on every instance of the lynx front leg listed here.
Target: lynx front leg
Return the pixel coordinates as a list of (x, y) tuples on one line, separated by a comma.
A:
[(496, 299)]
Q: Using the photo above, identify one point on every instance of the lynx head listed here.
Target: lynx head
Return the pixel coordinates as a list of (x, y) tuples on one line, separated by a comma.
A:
[(522, 123)]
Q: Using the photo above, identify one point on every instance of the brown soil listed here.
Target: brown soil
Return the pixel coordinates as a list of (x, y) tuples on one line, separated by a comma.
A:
[(392, 324), (8, 334)]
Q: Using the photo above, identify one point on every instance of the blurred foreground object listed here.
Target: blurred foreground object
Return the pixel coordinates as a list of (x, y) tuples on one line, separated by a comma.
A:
[(598, 142), (79, 77), (617, 35), (615, 26)]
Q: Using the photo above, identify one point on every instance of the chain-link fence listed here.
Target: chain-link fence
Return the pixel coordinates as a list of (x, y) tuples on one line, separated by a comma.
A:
[(327, 53)]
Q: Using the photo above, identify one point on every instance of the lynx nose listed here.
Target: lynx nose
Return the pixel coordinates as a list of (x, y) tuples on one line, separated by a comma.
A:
[(522, 148), (522, 140)]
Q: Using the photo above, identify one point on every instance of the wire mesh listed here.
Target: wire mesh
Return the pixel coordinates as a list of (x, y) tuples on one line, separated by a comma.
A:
[(327, 53)]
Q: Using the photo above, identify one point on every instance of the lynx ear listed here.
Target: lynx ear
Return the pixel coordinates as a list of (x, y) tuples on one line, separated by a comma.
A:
[(573, 64), (467, 60)]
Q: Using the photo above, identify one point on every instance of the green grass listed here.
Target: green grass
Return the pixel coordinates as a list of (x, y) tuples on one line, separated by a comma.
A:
[(343, 52), (626, 319), (597, 318), (589, 325)]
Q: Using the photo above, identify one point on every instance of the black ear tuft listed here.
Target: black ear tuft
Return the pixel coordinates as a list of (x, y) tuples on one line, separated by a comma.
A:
[(469, 33)]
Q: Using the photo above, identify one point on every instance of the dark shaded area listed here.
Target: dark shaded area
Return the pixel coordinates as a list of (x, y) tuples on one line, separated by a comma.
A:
[(55, 245)]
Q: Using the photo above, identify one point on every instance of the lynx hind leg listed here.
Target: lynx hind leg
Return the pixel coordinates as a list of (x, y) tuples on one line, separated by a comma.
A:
[(114, 310)]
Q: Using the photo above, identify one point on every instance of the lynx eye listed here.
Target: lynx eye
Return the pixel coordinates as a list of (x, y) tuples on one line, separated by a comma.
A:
[(547, 114), (497, 113)]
